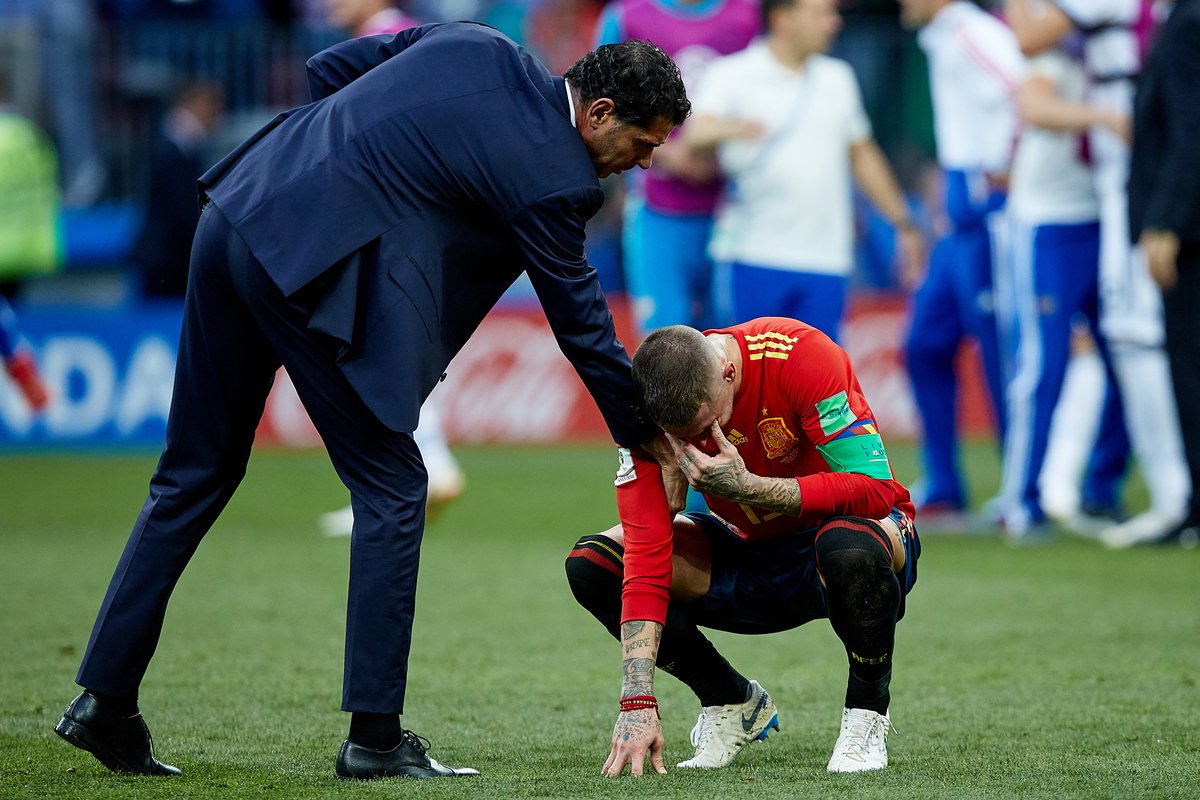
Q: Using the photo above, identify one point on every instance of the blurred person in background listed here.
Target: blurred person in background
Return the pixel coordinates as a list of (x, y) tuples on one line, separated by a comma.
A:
[(446, 479), (1087, 452), (179, 154), (68, 38), (974, 69), (560, 31), (59, 37), (1131, 305), (368, 17), (19, 362), (30, 236), (1164, 214), (359, 241), (669, 210), (808, 522), (787, 125), (1053, 261)]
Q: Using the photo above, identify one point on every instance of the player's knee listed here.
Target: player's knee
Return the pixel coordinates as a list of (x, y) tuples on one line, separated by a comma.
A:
[(852, 550), (595, 567)]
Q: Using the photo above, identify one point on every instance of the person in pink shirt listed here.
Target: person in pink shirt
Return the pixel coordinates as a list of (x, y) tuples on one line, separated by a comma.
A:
[(369, 17)]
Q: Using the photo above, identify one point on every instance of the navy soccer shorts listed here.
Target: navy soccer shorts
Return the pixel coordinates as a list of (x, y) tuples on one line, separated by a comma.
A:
[(770, 585)]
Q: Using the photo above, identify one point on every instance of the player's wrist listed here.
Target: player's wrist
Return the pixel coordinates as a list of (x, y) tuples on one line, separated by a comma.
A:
[(639, 702)]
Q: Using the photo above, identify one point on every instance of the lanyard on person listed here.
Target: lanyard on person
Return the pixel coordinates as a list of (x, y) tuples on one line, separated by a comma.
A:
[(770, 148)]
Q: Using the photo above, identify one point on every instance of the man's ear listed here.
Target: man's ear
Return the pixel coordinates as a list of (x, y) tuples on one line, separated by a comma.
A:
[(599, 111)]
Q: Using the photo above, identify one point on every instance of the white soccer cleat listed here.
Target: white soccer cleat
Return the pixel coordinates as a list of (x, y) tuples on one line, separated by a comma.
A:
[(721, 732), (862, 744)]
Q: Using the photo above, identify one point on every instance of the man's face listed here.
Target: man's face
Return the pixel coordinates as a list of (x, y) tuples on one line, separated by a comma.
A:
[(809, 26), (718, 410), (616, 146), (917, 13)]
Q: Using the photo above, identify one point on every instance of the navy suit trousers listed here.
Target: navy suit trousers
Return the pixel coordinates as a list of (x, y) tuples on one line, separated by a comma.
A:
[(1183, 348), (238, 328)]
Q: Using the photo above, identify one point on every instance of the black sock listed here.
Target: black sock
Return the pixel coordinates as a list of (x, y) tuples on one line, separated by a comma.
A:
[(864, 598), (688, 655), (125, 706), (376, 731), (594, 570)]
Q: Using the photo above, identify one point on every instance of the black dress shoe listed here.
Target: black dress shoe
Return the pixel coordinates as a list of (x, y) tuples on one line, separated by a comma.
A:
[(408, 759), (120, 743)]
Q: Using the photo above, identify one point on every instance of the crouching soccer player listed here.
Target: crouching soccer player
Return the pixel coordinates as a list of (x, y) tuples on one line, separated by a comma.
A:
[(768, 421)]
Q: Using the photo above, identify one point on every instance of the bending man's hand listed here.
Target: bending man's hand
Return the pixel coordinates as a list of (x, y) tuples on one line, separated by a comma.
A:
[(636, 734), (1162, 256), (674, 481)]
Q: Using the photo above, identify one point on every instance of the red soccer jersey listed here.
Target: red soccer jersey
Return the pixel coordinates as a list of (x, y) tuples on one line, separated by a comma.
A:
[(798, 413)]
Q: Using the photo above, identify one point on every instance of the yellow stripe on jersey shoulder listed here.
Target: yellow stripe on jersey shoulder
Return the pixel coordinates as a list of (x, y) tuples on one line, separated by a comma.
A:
[(772, 335), (772, 344)]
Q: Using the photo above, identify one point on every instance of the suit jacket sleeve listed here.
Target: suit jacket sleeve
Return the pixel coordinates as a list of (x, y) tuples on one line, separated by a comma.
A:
[(550, 236), (1175, 197), (340, 65)]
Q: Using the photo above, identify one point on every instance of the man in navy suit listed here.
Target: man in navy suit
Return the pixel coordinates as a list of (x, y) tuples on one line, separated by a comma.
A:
[(359, 241), (1164, 214)]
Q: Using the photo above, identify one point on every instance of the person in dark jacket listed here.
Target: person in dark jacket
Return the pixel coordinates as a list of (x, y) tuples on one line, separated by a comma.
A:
[(1164, 213), (177, 158), (359, 241)]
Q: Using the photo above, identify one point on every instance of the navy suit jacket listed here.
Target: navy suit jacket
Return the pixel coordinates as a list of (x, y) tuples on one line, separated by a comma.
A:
[(430, 170), (1164, 173)]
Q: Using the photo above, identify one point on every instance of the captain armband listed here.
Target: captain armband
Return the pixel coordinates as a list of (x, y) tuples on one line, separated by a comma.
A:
[(862, 453)]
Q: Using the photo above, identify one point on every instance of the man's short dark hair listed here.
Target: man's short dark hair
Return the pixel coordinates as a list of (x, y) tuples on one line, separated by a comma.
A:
[(674, 370), (641, 80)]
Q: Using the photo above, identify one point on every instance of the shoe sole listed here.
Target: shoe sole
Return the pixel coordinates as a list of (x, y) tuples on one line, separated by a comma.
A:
[(772, 725), (417, 773), (855, 770), (79, 736)]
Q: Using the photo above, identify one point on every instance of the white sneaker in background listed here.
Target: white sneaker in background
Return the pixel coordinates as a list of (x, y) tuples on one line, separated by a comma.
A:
[(862, 744), (1149, 526), (445, 485), (337, 523), (721, 732)]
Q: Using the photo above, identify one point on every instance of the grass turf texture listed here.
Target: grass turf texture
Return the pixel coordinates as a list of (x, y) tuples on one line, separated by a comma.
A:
[(1054, 671)]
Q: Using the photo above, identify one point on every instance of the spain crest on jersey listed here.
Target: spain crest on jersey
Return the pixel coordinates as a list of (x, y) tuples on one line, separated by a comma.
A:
[(775, 437)]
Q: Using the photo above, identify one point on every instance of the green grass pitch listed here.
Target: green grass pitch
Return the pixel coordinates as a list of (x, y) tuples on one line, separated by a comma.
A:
[(1056, 671)]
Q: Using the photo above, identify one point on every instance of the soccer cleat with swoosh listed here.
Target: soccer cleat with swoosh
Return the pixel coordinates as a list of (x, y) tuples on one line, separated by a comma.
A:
[(862, 743), (721, 732)]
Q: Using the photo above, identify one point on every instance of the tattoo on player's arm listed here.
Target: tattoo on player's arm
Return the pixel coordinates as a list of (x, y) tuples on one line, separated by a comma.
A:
[(638, 676), (726, 480), (781, 495), (637, 668)]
